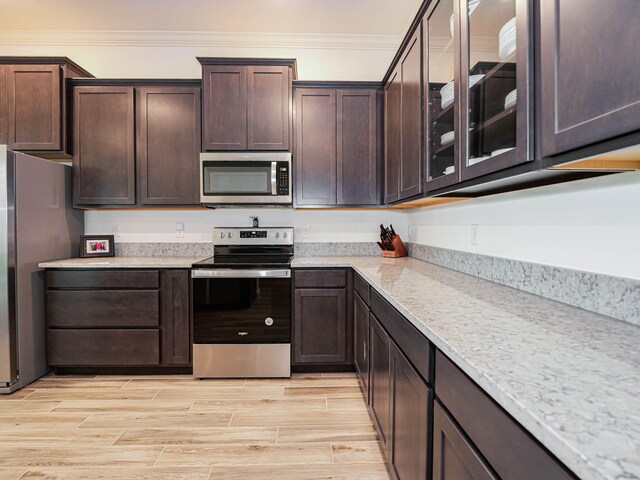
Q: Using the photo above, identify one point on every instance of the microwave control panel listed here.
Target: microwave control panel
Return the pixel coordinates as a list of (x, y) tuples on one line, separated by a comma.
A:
[(282, 178)]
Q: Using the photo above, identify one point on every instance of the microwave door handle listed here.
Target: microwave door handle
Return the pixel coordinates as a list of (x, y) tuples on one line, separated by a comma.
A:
[(274, 186)]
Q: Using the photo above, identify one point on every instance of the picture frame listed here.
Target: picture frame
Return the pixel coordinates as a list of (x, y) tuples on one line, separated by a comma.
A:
[(97, 246)]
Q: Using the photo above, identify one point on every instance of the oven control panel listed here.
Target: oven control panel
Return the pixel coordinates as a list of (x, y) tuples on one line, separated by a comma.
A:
[(253, 236)]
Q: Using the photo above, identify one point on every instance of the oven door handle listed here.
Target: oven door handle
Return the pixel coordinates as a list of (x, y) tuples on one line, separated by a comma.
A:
[(240, 273)]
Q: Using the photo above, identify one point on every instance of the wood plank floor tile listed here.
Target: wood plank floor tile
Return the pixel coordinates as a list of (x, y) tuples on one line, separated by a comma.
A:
[(157, 420), (118, 473), (305, 382), (11, 473), (121, 406), (27, 407), (302, 418), (41, 420), (247, 455), (19, 395), (260, 404), (356, 452), (198, 436), (340, 374), (213, 393), (140, 377), (61, 394), (46, 437), (63, 382), (184, 383), (327, 433), (346, 403), (366, 471), (325, 392), (87, 456)]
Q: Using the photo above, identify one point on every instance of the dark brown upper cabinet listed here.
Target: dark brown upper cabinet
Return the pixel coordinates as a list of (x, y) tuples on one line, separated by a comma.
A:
[(315, 152), (357, 147), (336, 144), (103, 153), (588, 78), (403, 162), (33, 104), (495, 79), (478, 70), (393, 138), (168, 144), (268, 107), (247, 104)]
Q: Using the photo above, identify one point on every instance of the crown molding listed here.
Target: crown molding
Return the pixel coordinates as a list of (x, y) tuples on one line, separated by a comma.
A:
[(198, 39)]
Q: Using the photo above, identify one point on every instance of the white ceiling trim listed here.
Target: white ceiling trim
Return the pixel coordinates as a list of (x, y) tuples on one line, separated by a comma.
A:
[(199, 39)]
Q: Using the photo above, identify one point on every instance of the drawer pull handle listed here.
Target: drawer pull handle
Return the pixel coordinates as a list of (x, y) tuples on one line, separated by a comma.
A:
[(243, 333)]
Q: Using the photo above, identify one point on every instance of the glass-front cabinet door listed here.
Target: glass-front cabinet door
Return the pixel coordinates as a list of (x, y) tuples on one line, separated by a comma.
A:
[(441, 93), (494, 85)]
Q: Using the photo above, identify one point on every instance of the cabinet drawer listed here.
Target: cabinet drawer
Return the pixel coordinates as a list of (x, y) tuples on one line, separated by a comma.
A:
[(103, 308), (320, 278), (102, 279), (362, 288), (510, 449), (411, 341), (103, 347)]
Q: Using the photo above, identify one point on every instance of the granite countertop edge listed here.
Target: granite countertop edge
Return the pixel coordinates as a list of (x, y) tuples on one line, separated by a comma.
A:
[(121, 262)]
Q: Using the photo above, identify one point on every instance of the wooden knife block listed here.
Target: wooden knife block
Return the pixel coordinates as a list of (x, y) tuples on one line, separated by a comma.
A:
[(400, 249)]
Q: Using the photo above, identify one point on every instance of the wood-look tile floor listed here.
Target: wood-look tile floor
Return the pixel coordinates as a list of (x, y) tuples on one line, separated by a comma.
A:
[(309, 427)]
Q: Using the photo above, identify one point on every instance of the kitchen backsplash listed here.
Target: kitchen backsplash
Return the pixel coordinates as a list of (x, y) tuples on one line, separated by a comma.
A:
[(612, 296), (200, 249), (150, 249)]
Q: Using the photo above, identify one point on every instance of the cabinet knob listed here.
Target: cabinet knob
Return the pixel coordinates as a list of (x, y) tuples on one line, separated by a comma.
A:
[(268, 321)]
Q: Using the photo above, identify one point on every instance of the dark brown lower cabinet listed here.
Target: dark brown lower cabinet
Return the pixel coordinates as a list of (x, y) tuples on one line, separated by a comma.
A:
[(175, 318), (320, 325), (411, 400), (118, 318), (322, 333), (361, 342), (454, 457), (380, 381)]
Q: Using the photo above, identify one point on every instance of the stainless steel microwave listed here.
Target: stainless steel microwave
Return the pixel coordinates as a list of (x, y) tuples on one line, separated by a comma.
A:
[(245, 178)]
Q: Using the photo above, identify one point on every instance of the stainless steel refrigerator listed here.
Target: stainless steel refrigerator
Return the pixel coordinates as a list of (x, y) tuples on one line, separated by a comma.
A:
[(37, 224)]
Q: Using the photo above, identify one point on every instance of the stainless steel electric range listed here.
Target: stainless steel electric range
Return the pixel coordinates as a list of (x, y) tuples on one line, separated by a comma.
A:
[(242, 305)]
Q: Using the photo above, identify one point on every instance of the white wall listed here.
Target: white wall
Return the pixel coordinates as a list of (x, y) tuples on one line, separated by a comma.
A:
[(591, 225), (365, 58), (324, 225)]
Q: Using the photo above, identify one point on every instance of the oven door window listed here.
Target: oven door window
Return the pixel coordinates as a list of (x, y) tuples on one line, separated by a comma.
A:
[(241, 310), (237, 178)]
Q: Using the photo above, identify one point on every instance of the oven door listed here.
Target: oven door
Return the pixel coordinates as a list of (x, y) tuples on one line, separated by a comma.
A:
[(234, 306)]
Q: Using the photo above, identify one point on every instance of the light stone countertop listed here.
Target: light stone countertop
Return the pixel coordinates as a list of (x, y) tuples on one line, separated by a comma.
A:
[(123, 262), (569, 376)]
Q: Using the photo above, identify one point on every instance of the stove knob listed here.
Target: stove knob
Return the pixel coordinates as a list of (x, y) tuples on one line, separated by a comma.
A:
[(268, 321), (285, 235), (230, 234), (221, 234), (277, 234)]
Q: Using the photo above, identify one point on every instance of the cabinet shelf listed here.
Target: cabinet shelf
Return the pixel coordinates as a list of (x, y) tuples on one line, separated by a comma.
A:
[(443, 148), (504, 115)]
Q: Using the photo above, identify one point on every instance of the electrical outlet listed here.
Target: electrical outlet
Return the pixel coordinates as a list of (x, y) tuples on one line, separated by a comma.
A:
[(306, 231), (474, 234), (115, 230), (179, 230)]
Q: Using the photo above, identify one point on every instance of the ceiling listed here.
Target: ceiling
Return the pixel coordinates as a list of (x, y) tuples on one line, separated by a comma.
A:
[(367, 17)]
